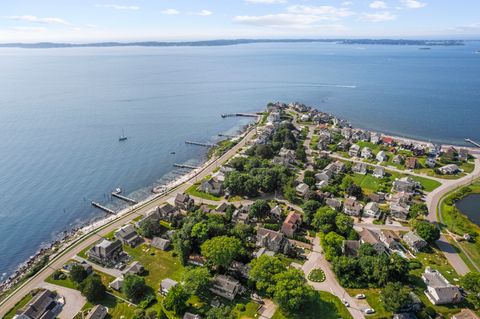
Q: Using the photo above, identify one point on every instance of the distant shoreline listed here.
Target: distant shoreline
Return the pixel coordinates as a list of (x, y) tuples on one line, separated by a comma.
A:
[(206, 43)]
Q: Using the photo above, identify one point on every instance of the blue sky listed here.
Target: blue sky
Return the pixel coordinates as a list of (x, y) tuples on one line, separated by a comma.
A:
[(127, 20)]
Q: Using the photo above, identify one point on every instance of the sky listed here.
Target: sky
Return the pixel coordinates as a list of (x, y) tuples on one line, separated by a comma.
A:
[(179, 20)]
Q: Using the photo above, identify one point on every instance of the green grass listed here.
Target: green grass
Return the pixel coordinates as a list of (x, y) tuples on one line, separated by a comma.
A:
[(373, 299), (159, 264), (192, 190), (11, 313), (427, 184), (316, 275), (117, 309), (374, 147), (325, 306), (368, 182)]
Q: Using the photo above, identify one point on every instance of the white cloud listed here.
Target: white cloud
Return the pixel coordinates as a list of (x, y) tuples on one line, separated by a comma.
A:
[(203, 13), (413, 4), (378, 17), (28, 29), (278, 20), (346, 3), (322, 12), (34, 19), (266, 1), (473, 28), (170, 12), (378, 5), (117, 6)]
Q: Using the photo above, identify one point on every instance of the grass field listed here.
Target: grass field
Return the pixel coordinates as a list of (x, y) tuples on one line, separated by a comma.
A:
[(326, 306), (428, 184), (192, 190)]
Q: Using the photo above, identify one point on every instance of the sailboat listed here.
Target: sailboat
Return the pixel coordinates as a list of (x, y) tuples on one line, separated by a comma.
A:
[(123, 137)]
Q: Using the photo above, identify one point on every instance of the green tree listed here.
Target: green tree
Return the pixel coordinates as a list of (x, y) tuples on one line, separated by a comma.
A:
[(471, 283), (78, 273), (291, 291), (264, 151), (222, 250), (395, 296), (92, 288), (134, 287), (344, 224), (200, 232), (427, 231), (355, 191), (346, 182), (259, 209), (332, 245), (176, 300), (149, 228), (222, 312), (242, 231), (289, 193), (196, 280), (309, 209), (300, 154), (263, 271), (418, 209), (324, 219), (366, 250)]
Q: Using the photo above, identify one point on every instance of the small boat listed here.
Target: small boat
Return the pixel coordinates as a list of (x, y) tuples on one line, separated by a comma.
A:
[(118, 190), (172, 152), (425, 48), (123, 137)]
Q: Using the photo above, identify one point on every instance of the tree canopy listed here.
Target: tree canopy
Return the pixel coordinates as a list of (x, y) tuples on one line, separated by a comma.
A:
[(222, 250), (92, 288), (134, 287), (427, 231), (395, 296)]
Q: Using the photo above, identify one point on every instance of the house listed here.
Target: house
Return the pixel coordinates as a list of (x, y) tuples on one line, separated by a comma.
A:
[(272, 240), (116, 284), (401, 198), (374, 138), (378, 197), (350, 248), (399, 211), (352, 207), (166, 285), (463, 155), (379, 172), (218, 176), (439, 290), (134, 268), (465, 314), (449, 169), (368, 236), (359, 168), (42, 306), (170, 213), (430, 162), (291, 224), (324, 176), (302, 189), (404, 315), (405, 184), (354, 150), (372, 210), (211, 187), (184, 202), (128, 236), (88, 268), (387, 140), (390, 239), (189, 315), (366, 153), (381, 156), (106, 252), (222, 208), (152, 215), (239, 268), (333, 203), (415, 242), (226, 287), (276, 212), (411, 163), (160, 243), (398, 159), (240, 215), (97, 312), (346, 133)]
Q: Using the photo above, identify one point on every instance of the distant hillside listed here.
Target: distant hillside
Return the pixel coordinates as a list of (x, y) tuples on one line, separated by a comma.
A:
[(46, 45)]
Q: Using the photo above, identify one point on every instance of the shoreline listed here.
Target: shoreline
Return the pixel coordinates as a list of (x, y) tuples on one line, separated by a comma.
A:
[(67, 237)]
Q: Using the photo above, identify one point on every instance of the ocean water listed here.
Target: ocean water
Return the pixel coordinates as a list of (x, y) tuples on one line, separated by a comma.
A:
[(62, 110)]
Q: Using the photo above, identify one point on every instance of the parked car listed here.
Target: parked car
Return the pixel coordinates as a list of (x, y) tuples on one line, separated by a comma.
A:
[(360, 296), (369, 311), (345, 302)]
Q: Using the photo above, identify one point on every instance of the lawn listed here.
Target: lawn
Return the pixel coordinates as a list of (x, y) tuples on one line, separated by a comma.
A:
[(316, 275), (18, 306), (192, 190), (373, 299), (374, 147), (158, 264), (325, 306), (117, 309), (368, 182), (428, 184)]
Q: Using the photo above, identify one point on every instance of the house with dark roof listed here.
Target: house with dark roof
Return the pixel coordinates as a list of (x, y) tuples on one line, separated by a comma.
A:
[(160, 243), (439, 291), (97, 312), (368, 236), (390, 239), (184, 202), (291, 224), (272, 240), (415, 242), (352, 207), (106, 252), (128, 236), (211, 187), (42, 306), (135, 268), (226, 287), (350, 248), (166, 285)]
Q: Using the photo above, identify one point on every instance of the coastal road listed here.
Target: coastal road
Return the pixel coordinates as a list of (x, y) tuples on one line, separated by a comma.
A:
[(93, 236), (433, 201)]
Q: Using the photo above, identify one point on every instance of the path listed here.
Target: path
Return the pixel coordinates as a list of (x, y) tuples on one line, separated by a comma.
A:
[(74, 300), (267, 310)]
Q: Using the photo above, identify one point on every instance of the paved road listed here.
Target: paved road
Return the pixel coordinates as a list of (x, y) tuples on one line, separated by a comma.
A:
[(92, 237), (386, 226), (331, 285), (433, 199), (74, 300)]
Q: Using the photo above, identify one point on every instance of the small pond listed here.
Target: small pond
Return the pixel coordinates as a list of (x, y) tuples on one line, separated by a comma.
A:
[(470, 206)]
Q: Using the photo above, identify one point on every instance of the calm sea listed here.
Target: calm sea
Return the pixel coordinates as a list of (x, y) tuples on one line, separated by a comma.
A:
[(62, 110)]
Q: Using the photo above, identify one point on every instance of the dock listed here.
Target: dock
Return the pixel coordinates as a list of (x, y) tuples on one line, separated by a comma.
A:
[(125, 198), (224, 115), (199, 144), (185, 166), (472, 142), (105, 209)]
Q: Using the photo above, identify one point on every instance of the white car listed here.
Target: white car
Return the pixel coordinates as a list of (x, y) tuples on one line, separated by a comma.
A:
[(369, 311), (360, 296), (345, 302)]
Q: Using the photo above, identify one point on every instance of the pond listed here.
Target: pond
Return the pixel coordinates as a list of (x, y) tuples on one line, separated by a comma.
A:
[(470, 206)]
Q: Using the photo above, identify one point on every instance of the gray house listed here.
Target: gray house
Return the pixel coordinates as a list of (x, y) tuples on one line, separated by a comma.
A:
[(211, 187), (128, 236), (226, 287), (415, 242), (106, 252), (439, 290)]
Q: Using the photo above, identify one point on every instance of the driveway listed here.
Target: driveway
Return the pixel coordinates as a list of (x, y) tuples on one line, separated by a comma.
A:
[(267, 310), (74, 300), (109, 271)]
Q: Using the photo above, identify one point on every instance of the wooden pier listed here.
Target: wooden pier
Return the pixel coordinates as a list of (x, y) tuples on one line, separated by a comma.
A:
[(185, 166), (128, 200), (105, 209), (239, 114), (199, 144), (472, 142)]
